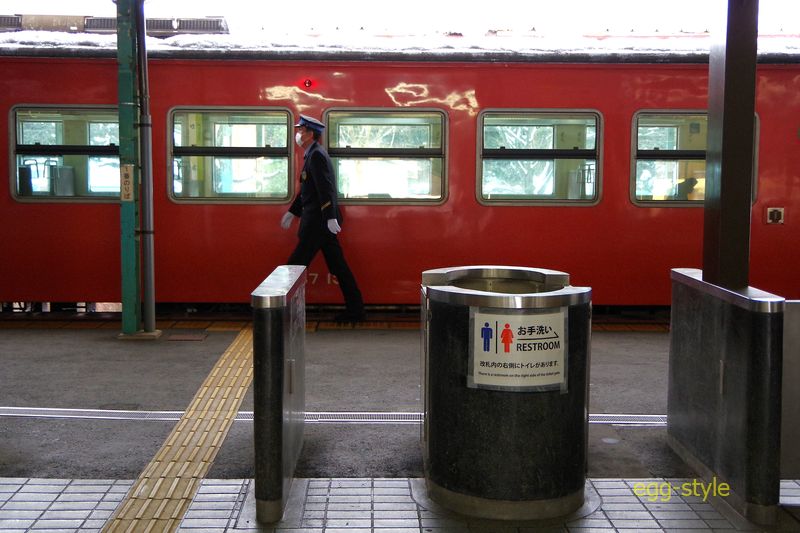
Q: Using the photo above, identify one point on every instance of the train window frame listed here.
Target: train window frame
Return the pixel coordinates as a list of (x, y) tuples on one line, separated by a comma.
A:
[(232, 152), (85, 152), (483, 153), (366, 113), (676, 155), (688, 156)]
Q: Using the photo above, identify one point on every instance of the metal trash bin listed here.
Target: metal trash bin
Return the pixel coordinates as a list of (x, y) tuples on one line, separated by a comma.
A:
[(505, 387)]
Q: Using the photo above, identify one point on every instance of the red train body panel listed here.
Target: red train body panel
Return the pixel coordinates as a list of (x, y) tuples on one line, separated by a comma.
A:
[(69, 251)]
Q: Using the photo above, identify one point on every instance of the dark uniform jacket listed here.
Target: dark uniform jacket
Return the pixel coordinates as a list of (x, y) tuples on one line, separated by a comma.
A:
[(316, 203)]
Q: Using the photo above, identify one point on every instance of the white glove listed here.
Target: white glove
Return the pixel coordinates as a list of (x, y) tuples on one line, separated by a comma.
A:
[(333, 226), (286, 220)]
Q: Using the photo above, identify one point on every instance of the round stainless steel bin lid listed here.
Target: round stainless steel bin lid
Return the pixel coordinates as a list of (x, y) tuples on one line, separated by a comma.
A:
[(504, 287)]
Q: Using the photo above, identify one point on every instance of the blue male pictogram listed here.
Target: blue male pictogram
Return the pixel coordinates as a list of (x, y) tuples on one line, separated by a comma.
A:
[(486, 335)]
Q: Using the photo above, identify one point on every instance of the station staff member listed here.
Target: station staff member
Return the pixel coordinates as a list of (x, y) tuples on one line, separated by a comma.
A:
[(317, 207)]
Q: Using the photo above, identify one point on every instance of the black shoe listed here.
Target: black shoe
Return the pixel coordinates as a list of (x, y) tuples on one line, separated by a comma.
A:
[(349, 317)]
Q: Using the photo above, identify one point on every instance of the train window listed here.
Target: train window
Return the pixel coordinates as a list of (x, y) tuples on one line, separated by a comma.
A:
[(67, 153), (533, 157), (388, 156), (670, 157), (235, 154)]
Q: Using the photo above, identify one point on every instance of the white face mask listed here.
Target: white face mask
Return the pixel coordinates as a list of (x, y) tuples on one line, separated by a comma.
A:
[(298, 138)]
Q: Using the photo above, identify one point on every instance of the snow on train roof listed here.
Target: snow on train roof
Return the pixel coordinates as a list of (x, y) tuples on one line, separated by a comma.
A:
[(507, 45)]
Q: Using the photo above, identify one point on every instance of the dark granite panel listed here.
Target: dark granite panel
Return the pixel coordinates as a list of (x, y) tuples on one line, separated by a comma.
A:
[(724, 400), (268, 363), (516, 446)]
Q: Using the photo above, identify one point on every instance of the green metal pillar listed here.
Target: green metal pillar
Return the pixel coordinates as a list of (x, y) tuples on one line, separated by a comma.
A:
[(127, 58)]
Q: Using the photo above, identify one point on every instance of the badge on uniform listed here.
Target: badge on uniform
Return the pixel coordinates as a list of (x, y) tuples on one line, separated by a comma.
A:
[(303, 176)]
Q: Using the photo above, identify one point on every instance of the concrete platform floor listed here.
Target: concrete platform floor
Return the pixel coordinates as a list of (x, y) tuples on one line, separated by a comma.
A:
[(47, 463)]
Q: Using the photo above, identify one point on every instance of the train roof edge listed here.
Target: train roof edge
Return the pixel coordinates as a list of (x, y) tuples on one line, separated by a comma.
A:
[(525, 48)]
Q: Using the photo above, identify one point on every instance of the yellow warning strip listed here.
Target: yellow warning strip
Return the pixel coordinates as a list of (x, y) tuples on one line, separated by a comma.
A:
[(162, 494)]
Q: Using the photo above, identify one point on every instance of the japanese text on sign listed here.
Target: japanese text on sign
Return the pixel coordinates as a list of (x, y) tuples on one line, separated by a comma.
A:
[(126, 183), (518, 351)]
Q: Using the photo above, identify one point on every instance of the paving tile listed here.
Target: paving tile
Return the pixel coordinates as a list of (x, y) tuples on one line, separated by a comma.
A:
[(34, 497), (349, 506), (348, 515), (217, 497), (191, 523), (49, 481), (351, 484), (610, 484), (61, 514), (88, 489), (623, 506), (383, 491), (628, 515), (397, 523), (682, 524), (72, 506), (57, 524), (345, 506), (718, 524), (101, 514), (41, 488), (207, 513), (589, 522), (354, 522), (395, 498), (219, 489), (616, 491), (340, 498), (669, 506), (389, 515), (20, 514), (107, 506), (400, 483), (25, 506), (13, 481), (351, 491), (675, 515), (15, 523), (635, 524)]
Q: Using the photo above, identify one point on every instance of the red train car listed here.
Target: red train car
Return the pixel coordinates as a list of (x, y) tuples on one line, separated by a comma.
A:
[(592, 165)]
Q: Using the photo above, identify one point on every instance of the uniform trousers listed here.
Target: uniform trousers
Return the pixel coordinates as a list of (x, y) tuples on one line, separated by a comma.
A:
[(312, 238)]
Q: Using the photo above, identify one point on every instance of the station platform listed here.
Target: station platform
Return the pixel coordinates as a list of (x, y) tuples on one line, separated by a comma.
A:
[(83, 415)]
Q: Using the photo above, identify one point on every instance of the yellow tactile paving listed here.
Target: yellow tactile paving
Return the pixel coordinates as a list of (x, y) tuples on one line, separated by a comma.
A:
[(162, 494)]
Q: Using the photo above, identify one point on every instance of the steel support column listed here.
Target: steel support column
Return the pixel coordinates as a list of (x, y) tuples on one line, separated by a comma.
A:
[(136, 204), (128, 92), (729, 162)]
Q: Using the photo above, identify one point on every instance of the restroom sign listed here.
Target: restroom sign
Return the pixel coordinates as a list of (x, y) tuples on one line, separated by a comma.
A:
[(523, 352)]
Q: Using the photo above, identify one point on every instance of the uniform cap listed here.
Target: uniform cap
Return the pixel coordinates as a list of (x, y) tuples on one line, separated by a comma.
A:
[(310, 123)]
